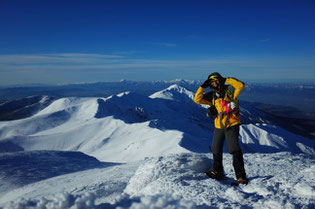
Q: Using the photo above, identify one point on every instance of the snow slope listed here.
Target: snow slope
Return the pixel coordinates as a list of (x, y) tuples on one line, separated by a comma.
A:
[(278, 180), (163, 142), (25, 107), (21, 168), (129, 124)]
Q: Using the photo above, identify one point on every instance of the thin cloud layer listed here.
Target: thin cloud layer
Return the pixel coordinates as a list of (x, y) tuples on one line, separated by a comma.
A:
[(107, 67)]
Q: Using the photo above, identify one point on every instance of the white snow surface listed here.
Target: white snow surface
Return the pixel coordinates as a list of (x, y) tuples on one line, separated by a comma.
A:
[(134, 151), (279, 180)]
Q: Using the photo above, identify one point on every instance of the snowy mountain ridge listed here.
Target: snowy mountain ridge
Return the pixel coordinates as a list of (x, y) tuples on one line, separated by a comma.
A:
[(163, 142), (167, 118)]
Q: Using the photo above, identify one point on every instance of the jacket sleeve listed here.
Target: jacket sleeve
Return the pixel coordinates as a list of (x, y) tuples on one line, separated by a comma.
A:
[(238, 85), (199, 97)]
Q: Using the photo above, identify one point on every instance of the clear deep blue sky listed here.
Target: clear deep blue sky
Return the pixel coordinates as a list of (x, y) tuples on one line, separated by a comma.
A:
[(54, 41)]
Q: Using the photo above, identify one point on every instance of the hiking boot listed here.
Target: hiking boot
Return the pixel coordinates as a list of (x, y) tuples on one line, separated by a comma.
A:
[(215, 175), (242, 181)]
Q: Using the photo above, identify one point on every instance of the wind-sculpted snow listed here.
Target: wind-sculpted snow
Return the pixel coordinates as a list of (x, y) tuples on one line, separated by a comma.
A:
[(274, 183), (279, 180), (150, 175), (57, 201)]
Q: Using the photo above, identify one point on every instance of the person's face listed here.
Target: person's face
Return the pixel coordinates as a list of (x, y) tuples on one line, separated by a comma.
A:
[(215, 84)]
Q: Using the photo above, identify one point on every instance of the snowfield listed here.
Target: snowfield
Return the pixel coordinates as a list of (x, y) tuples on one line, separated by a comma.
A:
[(134, 151), (280, 180)]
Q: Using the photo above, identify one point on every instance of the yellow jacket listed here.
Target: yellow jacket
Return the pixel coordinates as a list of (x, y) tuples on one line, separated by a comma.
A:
[(224, 113)]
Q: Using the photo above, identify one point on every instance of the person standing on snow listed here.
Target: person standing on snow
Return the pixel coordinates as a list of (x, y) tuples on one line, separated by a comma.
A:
[(224, 106)]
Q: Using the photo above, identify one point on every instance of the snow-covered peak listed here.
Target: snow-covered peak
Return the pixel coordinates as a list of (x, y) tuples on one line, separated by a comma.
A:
[(83, 108), (173, 92), (123, 93)]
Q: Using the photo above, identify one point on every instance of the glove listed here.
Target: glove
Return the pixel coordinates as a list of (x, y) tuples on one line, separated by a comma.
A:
[(206, 84), (222, 82), (232, 105), (212, 111)]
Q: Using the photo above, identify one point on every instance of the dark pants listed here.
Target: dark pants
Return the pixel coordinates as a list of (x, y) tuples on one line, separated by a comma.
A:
[(231, 135)]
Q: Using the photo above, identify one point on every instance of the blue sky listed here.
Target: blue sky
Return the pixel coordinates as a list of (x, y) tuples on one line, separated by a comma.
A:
[(57, 42)]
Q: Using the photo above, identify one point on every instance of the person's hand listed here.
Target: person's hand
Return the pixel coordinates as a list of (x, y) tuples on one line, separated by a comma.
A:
[(232, 105), (222, 83), (206, 84)]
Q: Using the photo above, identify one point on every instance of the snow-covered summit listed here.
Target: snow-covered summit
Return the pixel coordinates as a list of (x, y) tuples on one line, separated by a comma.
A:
[(174, 92)]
